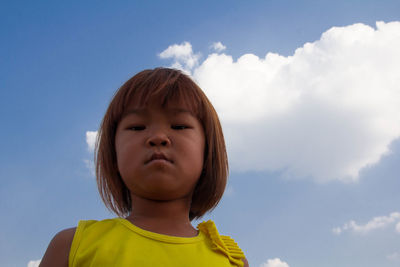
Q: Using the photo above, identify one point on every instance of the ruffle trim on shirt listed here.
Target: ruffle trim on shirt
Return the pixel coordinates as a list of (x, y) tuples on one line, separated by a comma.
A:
[(222, 243)]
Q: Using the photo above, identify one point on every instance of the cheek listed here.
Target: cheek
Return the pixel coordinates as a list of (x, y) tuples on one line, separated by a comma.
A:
[(119, 151), (198, 154), (125, 152)]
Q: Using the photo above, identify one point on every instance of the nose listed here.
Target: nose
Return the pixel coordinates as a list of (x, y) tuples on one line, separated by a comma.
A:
[(158, 139)]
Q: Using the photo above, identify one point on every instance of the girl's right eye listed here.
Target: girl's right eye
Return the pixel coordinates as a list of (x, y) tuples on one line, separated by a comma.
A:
[(137, 128)]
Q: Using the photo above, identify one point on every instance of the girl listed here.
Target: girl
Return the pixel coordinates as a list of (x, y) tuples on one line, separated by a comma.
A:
[(160, 163)]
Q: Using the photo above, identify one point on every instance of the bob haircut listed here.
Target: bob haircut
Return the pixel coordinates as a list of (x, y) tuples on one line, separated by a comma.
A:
[(166, 85)]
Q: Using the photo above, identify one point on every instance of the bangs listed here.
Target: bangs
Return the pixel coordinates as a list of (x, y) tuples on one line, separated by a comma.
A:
[(177, 91)]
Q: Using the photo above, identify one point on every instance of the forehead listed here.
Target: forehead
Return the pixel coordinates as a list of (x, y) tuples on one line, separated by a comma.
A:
[(172, 110), (171, 103)]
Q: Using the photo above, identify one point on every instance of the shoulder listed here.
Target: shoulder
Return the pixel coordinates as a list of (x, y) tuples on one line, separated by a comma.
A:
[(57, 252), (223, 243)]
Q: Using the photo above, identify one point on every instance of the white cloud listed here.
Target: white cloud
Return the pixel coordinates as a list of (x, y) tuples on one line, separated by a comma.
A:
[(182, 55), (34, 263), (326, 112), (90, 166), (398, 227), (373, 224), (337, 230), (91, 140), (274, 263), (218, 46)]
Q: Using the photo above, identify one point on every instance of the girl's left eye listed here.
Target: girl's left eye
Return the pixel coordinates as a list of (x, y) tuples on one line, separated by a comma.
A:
[(179, 127), (137, 128)]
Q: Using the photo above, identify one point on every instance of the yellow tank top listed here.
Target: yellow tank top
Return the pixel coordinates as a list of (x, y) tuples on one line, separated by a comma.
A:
[(117, 242)]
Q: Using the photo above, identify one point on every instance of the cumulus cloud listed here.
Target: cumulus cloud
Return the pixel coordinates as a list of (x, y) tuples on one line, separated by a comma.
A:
[(182, 56), (374, 224), (218, 46), (90, 166), (274, 263), (91, 140), (326, 112), (34, 263), (398, 227)]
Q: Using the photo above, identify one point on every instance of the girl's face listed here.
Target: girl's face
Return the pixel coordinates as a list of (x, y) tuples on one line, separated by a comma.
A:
[(160, 151)]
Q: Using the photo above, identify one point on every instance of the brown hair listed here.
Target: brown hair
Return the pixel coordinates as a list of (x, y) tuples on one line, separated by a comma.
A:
[(167, 85)]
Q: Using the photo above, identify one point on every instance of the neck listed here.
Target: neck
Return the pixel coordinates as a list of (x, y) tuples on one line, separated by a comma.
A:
[(164, 217)]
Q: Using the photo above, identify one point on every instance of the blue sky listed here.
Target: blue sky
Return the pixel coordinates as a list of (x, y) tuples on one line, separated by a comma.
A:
[(312, 130)]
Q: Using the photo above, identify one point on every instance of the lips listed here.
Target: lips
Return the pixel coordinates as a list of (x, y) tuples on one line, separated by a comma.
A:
[(158, 156)]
